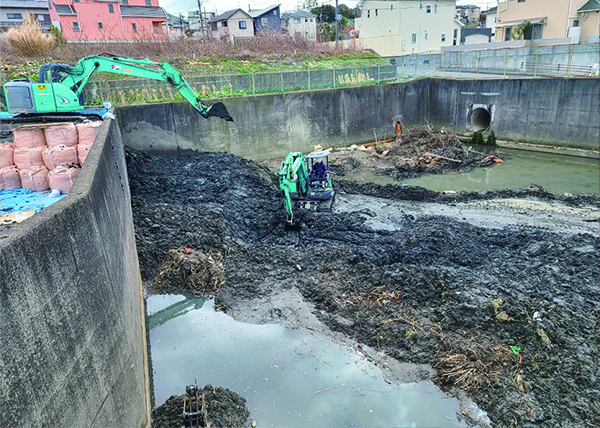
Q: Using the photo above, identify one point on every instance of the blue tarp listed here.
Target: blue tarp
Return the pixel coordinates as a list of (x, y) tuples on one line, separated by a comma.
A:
[(17, 200)]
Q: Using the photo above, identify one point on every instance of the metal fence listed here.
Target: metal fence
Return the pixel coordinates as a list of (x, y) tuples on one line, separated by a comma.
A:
[(531, 61), (125, 91)]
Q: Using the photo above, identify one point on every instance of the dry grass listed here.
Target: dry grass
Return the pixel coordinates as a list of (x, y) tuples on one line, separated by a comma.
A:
[(477, 364), (191, 270), (27, 39)]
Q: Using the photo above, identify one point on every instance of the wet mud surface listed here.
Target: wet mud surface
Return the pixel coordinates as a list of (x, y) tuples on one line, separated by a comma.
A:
[(406, 272)]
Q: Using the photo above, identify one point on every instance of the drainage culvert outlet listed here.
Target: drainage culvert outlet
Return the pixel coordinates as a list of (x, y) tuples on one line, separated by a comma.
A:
[(480, 118)]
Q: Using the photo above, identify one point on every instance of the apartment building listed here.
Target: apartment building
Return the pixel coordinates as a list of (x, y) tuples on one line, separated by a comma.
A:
[(399, 27), (550, 19)]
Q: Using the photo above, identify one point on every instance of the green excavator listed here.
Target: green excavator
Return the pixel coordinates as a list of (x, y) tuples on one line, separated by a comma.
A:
[(305, 182), (59, 88)]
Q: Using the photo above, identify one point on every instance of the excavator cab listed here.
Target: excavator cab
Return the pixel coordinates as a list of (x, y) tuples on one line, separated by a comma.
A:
[(320, 186)]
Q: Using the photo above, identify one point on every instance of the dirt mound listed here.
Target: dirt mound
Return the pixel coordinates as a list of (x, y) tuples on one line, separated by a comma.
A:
[(433, 289), (224, 408), (418, 151), (186, 270)]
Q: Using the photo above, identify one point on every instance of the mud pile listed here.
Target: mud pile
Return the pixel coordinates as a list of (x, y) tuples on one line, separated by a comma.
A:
[(418, 151), (434, 289), (224, 409)]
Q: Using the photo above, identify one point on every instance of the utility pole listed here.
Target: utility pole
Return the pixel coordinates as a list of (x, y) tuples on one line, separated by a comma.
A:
[(200, 17), (336, 23)]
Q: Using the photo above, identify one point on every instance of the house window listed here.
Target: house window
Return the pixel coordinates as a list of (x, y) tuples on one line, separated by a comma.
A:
[(420, 5), (242, 25), (443, 37), (224, 24), (264, 21), (297, 20), (435, 9), (305, 20), (75, 1), (520, 1), (134, 27), (376, 12), (414, 38), (14, 16), (274, 12), (310, 20), (148, 2), (100, 26), (111, 8), (76, 26), (428, 8), (125, 2), (507, 34), (576, 23), (392, 7), (426, 35), (368, 13)]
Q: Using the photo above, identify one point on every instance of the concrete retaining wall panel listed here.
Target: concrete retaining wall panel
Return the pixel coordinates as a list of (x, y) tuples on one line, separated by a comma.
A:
[(71, 325)]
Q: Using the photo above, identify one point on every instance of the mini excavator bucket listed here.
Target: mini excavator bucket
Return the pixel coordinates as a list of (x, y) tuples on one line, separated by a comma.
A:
[(219, 110)]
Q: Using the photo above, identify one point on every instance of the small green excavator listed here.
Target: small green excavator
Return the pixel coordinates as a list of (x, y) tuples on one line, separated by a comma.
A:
[(304, 184), (59, 88)]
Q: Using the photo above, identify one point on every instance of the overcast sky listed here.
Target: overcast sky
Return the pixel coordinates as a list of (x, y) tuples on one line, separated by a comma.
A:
[(220, 6)]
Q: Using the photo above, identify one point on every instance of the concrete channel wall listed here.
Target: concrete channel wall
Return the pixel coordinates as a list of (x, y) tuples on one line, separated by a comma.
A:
[(72, 342), (560, 112)]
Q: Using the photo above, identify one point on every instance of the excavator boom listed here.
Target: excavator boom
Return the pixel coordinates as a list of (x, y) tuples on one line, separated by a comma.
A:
[(60, 87)]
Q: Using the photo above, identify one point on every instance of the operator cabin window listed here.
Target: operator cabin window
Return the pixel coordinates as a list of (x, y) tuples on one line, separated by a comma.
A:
[(428, 8), (242, 25), (443, 37), (134, 27), (414, 38), (111, 8), (76, 26)]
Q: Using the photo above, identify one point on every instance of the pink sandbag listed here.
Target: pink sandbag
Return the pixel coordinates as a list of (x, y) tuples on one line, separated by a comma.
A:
[(9, 178), (62, 178), (64, 134), (82, 152), (87, 131), (59, 155), (29, 137), (35, 178), (25, 157), (6, 154)]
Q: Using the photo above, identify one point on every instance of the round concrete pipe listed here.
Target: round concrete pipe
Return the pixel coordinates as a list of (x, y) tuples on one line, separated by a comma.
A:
[(480, 119)]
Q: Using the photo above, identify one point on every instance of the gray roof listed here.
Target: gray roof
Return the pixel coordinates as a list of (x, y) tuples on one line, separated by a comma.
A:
[(258, 12), (24, 4), (590, 5), (143, 11), (226, 15), (492, 10), (298, 14), (64, 9)]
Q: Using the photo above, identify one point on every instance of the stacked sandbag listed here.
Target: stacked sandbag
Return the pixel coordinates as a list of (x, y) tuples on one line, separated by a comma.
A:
[(62, 178), (6, 154), (59, 156), (82, 152), (9, 178), (35, 178), (29, 136), (26, 157), (87, 132), (63, 134)]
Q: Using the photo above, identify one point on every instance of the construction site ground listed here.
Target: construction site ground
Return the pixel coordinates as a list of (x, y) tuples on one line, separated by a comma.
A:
[(497, 291)]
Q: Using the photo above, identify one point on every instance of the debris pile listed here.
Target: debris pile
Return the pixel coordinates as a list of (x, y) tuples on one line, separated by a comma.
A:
[(189, 270), (224, 408)]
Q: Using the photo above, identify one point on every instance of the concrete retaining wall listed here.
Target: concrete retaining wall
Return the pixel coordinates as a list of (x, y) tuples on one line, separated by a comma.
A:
[(562, 112), (72, 343)]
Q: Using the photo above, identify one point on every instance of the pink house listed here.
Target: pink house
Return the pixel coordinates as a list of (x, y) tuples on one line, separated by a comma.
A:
[(109, 19)]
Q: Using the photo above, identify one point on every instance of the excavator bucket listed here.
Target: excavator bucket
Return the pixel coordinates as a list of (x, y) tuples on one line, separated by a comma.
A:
[(219, 110)]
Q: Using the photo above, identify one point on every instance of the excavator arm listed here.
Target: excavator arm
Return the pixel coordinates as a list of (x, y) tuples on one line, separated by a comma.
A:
[(293, 182)]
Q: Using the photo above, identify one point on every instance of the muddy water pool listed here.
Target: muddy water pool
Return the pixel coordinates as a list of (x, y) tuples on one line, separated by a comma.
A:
[(555, 173), (289, 377)]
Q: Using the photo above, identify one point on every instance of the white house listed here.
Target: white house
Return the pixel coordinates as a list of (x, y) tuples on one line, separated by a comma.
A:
[(491, 19), (300, 24), (233, 24), (13, 12), (400, 27)]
